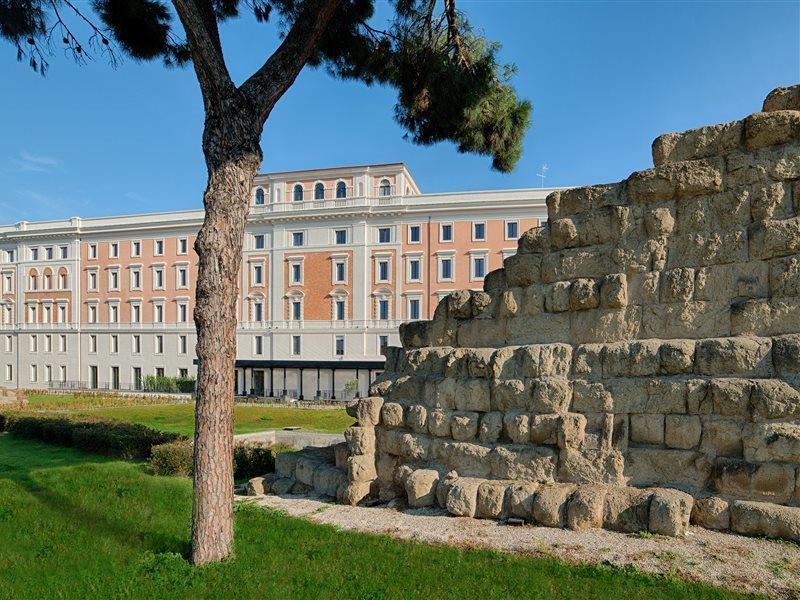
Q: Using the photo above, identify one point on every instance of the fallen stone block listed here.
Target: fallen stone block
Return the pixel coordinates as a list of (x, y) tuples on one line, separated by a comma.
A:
[(550, 505), (670, 511), (765, 519), (421, 486), (585, 508), (462, 497), (491, 499), (712, 513), (626, 509)]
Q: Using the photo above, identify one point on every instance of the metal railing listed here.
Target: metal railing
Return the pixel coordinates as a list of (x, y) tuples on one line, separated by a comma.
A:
[(328, 203), (320, 325)]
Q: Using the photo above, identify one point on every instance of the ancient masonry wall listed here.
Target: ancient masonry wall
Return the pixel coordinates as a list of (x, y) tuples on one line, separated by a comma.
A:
[(635, 364)]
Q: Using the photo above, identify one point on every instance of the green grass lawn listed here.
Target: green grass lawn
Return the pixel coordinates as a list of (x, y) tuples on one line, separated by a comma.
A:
[(75, 526), (76, 401), (179, 418)]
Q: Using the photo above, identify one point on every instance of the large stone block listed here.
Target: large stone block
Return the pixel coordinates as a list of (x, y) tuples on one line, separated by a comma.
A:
[(771, 128), (420, 487), (676, 357), (786, 354), (591, 466), (585, 508), (712, 140), (520, 499), (734, 356), (670, 511), (286, 464), (784, 276), (417, 418), (327, 481), (772, 482), (523, 269), (353, 492), (465, 457), (730, 397), (462, 497), (359, 468), (473, 395), (771, 239), (584, 294), (677, 285), (711, 513), (571, 430), (709, 248), (550, 505), (546, 327), (614, 291), (392, 415), (766, 519), (545, 428), (557, 297), (722, 437), (626, 509), (779, 442), (606, 324), (737, 281), (682, 431), (774, 399), (439, 422), (783, 98), (528, 463), (491, 426), (464, 426), (414, 446), (491, 499), (510, 394), (516, 425), (368, 411), (482, 333), (545, 360), (632, 359), (551, 395), (647, 429), (360, 440), (654, 466), (678, 179)]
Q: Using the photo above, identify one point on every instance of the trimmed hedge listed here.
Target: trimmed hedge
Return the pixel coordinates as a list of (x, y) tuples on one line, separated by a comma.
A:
[(249, 460), (112, 438)]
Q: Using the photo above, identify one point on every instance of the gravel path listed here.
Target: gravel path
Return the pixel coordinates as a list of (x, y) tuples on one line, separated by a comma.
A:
[(731, 561)]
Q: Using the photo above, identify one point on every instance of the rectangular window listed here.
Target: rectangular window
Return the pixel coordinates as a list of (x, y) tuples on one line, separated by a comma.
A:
[(92, 281), (512, 230), (340, 310), (158, 316), (413, 309), (183, 312), (137, 378), (113, 313), (136, 313), (114, 346), (9, 343), (341, 236), (92, 313), (136, 249), (158, 279), (62, 343), (258, 242), (183, 246), (159, 371), (48, 253), (183, 277), (479, 232), (136, 279), (9, 372), (93, 377), (93, 251), (113, 250), (183, 344), (446, 269), (48, 373), (34, 374), (62, 281), (478, 267), (384, 235), (297, 273), (258, 275), (159, 344), (34, 254), (413, 234), (258, 312), (136, 344), (258, 345), (341, 272), (32, 313), (297, 310), (62, 370), (383, 309), (115, 384), (7, 284), (383, 270), (183, 373), (339, 345), (46, 314), (48, 343), (298, 239), (414, 269), (158, 248), (92, 344), (113, 281), (64, 252), (446, 232), (383, 342), (62, 313), (296, 345)]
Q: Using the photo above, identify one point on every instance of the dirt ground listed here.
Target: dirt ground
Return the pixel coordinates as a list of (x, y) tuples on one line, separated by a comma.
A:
[(722, 559)]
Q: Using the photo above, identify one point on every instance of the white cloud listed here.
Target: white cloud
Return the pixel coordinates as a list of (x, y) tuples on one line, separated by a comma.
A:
[(27, 161)]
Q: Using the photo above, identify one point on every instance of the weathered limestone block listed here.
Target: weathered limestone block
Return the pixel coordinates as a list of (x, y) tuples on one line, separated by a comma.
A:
[(458, 304), (779, 442), (523, 269), (360, 440), (709, 248), (712, 140), (491, 426), (712, 513), (545, 360), (353, 492), (571, 430), (530, 300), (678, 179), (771, 128), (585, 508), (591, 466), (774, 399), (557, 297), (530, 463), (677, 285), (647, 429), (545, 428), (386, 466), (563, 233), (772, 482), (484, 305), (520, 499), (659, 221), (473, 395), (368, 411), (283, 485), (786, 354), (258, 486), (775, 238), (784, 276), (516, 425), (722, 437), (591, 398), (414, 446), (584, 294), (654, 466), (439, 422), (546, 327), (420, 487), (464, 426), (417, 418), (682, 431), (551, 395), (407, 388), (465, 457), (359, 468), (482, 333), (510, 394), (614, 291), (462, 497), (676, 357), (550, 505), (534, 241), (286, 464), (765, 519), (783, 98), (606, 324), (327, 481), (738, 280), (440, 392), (306, 465), (479, 362), (491, 499), (670, 511), (769, 202), (588, 361), (392, 414), (734, 356), (730, 397), (626, 509), (495, 281), (689, 320), (632, 359), (340, 454)]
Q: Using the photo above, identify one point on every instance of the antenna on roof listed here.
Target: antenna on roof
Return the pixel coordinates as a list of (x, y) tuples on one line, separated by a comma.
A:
[(542, 175)]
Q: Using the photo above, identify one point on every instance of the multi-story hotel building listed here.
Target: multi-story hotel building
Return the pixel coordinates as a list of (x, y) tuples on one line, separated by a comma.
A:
[(334, 260)]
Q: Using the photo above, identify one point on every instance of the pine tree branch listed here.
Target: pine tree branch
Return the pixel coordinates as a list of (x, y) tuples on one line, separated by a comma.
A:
[(269, 83), (203, 39)]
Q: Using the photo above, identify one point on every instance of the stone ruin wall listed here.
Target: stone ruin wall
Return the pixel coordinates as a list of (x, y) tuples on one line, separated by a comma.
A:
[(635, 364)]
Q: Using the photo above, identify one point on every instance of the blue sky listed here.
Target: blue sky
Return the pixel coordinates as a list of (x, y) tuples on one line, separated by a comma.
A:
[(605, 79)]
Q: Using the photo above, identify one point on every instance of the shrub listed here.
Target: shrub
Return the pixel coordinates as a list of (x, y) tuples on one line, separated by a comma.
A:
[(252, 460), (123, 440), (2, 422), (173, 458), (169, 385)]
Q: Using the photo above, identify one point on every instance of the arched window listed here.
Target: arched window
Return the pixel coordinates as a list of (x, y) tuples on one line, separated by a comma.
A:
[(319, 191), (259, 196), (298, 193), (385, 188), (341, 190)]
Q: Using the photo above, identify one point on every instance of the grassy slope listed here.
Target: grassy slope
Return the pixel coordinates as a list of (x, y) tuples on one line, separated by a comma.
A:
[(75, 401), (76, 525), (179, 418)]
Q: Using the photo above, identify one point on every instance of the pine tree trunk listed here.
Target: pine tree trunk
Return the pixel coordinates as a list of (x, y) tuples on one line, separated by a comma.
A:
[(233, 155)]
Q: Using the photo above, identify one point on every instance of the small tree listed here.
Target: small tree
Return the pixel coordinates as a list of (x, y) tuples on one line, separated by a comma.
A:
[(450, 87)]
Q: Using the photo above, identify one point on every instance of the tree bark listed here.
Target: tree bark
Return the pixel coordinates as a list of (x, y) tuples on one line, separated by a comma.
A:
[(233, 155)]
